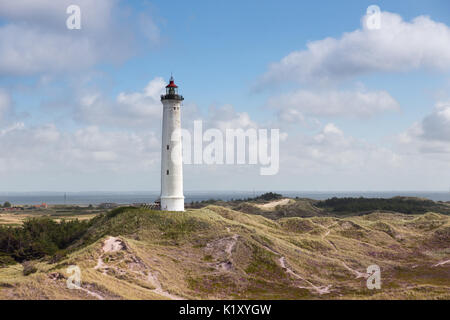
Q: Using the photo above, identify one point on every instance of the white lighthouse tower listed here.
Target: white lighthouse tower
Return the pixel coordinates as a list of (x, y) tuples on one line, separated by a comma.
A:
[(172, 198)]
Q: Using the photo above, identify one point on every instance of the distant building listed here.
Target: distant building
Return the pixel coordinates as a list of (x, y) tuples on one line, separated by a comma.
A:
[(108, 205), (41, 206), (153, 206)]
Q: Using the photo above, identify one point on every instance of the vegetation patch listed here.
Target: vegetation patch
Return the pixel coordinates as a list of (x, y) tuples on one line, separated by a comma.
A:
[(297, 225), (216, 285), (384, 227), (29, 267), (144, 222), (39, 237), (310, 244), (263, 265), (396, 204)]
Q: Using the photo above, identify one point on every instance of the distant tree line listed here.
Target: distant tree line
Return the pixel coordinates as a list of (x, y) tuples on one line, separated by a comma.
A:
[(397, 204), (37, 238), (269, 196)]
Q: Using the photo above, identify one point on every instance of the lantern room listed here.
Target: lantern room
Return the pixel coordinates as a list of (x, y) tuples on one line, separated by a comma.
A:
[(172, 91), (172, 88)]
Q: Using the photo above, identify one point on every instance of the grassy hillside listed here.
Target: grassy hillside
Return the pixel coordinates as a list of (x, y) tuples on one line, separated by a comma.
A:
[(217, 252), (273, 206)]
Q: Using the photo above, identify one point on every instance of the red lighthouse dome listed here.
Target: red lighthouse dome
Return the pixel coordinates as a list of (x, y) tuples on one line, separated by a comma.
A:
[(172, 83), (172, 91)]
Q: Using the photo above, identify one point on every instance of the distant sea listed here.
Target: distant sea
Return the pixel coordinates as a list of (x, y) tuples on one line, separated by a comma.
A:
[(86, 198)]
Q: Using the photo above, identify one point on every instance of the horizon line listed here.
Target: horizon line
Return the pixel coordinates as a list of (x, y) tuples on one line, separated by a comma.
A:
[(228, 191)]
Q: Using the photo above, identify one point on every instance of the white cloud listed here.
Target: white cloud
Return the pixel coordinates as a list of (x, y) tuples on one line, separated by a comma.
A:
[(35, 38), (96, 15), (136, 109), (12, 127), (226, 117), (331, 149), (436, 126), (49, 149), (430, 136), (149, 29), (398, 46), (5, 104), (330, 159), (22, 51), (359, 103), (90, 156)]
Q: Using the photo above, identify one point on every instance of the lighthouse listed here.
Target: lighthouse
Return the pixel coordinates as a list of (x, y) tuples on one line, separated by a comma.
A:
[(172, 198)]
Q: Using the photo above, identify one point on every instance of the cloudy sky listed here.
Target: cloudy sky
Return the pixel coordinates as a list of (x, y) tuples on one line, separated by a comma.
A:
[(358, 109)]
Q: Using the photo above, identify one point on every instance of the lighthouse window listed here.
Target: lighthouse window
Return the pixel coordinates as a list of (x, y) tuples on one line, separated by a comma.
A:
[(167, 147), (167, 172), (174, 108)]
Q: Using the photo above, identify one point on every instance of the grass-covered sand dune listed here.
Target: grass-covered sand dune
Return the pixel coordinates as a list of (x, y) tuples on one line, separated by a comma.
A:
[(215, 252)]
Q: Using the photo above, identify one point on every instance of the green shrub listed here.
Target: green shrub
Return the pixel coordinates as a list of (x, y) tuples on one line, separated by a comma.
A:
[(119, 210), (269, 196), (6, 260), (39, 237), (28, 268)]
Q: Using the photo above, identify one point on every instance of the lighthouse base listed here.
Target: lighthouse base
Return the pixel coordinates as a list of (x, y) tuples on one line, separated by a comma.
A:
[(172, 203)]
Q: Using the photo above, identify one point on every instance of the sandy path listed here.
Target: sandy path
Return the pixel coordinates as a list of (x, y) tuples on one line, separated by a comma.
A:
[(327, 234), (231, 245), (271, 250), (114, 244), (441, 263), (94, 294), (273, 204), (319, 290), (328, 231), (356, 272), (282, 261), (159, 290)]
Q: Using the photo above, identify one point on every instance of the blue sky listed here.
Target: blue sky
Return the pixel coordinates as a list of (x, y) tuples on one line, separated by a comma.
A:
[(218, 49), (357, 115)]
